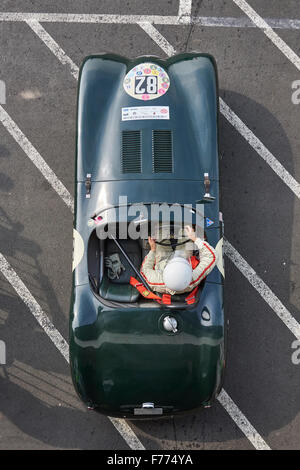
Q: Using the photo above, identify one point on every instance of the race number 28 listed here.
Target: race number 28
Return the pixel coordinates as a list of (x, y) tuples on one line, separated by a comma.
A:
[(145, 84)]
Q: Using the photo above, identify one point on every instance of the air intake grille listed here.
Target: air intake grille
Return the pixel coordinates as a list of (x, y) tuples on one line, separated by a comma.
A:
[(162, 155), (131, 161)]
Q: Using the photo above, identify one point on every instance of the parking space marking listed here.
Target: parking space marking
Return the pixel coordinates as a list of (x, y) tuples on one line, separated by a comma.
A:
[(36, 158), (88, 18), (261, 287), (127, 433), (36, 310), (208, 21), (61, 344), (185, 8), (232, 22), (242, 422), (260, 148), (263, 25), (53, 46), (160, 40)]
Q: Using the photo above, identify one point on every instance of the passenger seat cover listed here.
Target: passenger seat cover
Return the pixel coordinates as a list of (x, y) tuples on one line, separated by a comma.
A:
[(124, 293), (120, 290)]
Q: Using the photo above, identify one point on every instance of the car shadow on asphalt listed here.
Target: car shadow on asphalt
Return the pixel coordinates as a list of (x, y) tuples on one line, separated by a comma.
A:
[(47, 420), (15, 245)]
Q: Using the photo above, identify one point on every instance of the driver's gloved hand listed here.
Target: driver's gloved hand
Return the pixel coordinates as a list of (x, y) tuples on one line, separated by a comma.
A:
[(114, 266)]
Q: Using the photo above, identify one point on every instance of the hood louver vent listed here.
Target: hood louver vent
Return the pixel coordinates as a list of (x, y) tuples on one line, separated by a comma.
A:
[(131, 160), (162, 154)]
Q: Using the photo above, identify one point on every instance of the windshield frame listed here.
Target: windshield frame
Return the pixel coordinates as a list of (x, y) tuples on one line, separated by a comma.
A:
[(116, 206)]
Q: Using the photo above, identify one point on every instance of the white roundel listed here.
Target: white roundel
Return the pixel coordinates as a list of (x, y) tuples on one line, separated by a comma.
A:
[(220, 256), (78, 248), (146, 82)]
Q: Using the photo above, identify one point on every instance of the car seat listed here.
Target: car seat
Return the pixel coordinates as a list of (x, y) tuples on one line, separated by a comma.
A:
[(119, 290)]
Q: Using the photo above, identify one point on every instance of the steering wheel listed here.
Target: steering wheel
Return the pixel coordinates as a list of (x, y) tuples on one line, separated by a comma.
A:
[(173, 244), (167, 241)]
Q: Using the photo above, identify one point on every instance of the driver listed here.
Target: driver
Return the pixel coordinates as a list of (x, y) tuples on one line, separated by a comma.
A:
[(173, 272)]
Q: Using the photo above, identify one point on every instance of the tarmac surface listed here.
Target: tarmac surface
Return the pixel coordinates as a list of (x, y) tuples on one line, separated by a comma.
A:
[(38, 405)]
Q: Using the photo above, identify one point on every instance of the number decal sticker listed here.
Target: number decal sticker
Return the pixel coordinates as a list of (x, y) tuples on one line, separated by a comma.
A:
[(146, 82), (152, 85), (138, 83)]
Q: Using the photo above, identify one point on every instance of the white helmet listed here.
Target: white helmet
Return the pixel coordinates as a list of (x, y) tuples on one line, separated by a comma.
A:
[(177, 274)]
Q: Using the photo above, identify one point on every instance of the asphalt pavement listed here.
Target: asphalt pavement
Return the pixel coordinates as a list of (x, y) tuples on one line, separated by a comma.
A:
[(38, 406)]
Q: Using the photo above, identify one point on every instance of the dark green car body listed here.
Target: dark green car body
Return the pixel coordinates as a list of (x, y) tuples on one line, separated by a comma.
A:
[(120, 355)]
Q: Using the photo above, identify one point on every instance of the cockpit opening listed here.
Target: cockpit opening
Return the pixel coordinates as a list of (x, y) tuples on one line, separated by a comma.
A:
[(114, 262)]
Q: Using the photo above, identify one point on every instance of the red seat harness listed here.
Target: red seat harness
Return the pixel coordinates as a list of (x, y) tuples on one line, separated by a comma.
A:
[(166, 298)]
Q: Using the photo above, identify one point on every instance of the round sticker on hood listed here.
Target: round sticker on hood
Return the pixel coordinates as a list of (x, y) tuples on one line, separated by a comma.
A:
[(146, 82)]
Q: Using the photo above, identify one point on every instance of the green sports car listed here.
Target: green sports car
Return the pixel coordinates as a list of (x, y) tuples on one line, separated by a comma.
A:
[(147, 144)]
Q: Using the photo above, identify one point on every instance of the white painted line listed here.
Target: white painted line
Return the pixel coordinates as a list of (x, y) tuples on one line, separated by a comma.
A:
[(242, 422), (158, 38), (36, 310), (259, 147), (36, 158), (88, 18), (53, 46), (231, 22), (261, 287), (185, 8), (127, 433), (61, 344), (209, 21), (263, 25)]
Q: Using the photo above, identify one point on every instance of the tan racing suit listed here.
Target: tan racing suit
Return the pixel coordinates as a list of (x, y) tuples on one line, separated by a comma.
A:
[(155, 262)]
